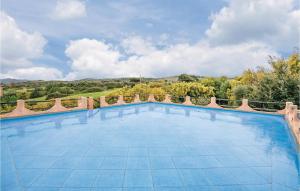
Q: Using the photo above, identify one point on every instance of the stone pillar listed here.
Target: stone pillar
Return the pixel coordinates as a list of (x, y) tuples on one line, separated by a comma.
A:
[(187, 101), (82, 103), (20, 110), (57, 107), (137, 99), (213, 103), (120, 100), (292, 113), (284, 111), (294, 122), (103, 102), (151, 98), (245, 106), (288, 108), (90, 103), (167, 99)]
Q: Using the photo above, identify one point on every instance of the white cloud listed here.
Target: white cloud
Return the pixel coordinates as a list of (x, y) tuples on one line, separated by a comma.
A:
[(270, 21), (33, 73), (69, 9), (17, 46), (92, 58), (18, 49), (137, 45)]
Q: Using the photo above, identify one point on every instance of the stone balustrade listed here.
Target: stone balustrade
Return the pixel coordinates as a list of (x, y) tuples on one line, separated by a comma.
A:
[(137, 99), (213, 103), (293, 120), (290, 111), (21, 110), (188, 101), (90, 104), (245, 106), (167, 99)]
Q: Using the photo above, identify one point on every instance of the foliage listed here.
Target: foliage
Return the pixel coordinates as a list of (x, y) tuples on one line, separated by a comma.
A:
[(242, 91), (278, 83), (37, 92), (187, 78)]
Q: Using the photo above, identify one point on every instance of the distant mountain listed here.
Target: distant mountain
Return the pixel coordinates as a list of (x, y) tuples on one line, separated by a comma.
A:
[(11, 80), (7, 81)]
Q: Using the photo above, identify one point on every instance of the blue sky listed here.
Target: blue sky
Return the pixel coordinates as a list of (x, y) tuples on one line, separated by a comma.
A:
[(74, 39)]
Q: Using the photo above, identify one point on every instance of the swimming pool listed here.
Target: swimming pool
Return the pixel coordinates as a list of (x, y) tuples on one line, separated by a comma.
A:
[(149, 146)]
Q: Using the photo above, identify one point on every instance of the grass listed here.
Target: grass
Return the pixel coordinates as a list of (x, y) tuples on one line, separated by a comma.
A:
[(92, 94), (39, 98), (78, 95)]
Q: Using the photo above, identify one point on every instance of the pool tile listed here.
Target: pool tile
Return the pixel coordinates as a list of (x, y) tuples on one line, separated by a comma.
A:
[(43, 162), (179, 151), (138, 189), (90, 163), (138, 152), (9, 180), (95, 152), (110, 178), (230, 188), (265, 172), (161, 163), (52, 178), (286, 179), (138, 178), (106, 189), (66, 162), (35, 161), (219, 176), (196, 162), (186, 162), (193, 177), (246, 176), (266, 187), (27, 176), (166, 178), (158, 151), (279, 187), (75, 152), (75, 189), (23, 161), (115, 151), (81, 178), (170, 188), (229, 161), (208, 162), (114, 163), (200, 188), (42, 189), (138, 163), (251, 160), (52, 151)]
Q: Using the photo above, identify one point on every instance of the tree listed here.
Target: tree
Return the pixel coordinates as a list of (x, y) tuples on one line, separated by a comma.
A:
[(187, 78), (242, 91), (37, 92)]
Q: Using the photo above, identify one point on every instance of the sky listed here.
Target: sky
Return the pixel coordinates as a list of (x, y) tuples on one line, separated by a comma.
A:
[(77, 39)]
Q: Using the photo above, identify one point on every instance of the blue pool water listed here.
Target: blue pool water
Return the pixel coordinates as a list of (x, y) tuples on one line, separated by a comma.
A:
[(148, 147)]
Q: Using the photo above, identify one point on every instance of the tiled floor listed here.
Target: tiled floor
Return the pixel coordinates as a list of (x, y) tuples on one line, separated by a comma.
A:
[(145, 147)]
